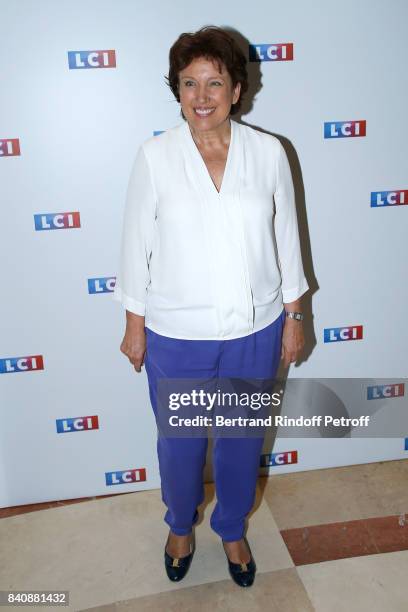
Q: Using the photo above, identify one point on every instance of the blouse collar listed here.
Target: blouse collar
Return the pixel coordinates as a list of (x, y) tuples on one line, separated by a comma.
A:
[(199, 163)]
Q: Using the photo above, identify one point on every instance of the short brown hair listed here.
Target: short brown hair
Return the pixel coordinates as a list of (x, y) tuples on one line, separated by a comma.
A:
[(212, 43)]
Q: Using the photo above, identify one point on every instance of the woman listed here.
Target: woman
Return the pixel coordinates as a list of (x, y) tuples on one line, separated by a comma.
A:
[(210, 277)]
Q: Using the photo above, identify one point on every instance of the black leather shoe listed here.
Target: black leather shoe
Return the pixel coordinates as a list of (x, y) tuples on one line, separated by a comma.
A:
[(177, 567), (242, 574)]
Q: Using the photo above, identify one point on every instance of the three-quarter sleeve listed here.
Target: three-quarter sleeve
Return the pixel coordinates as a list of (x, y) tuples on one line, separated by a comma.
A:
[(294, 283), (133, 275)]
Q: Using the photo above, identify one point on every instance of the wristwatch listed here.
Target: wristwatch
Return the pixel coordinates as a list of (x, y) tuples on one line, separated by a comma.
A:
[(295, 315)]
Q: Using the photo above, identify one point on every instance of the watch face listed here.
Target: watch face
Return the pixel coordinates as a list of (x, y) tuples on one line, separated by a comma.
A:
[(295, 315)]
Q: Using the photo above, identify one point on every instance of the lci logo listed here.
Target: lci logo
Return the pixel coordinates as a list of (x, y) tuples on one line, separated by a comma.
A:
[(344, 129), (77, 424), (340, 334), (9, 147), (278, 52), (92, 59), (389, 198), (105, 284), (28, 363), (285, 458), (54, 221), (125, 476), (385, 391)]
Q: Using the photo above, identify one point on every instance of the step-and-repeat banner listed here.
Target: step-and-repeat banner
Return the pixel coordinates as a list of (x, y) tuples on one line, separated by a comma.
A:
[(82, 86)]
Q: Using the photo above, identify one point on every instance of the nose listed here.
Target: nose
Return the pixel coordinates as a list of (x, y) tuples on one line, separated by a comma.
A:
[(203, 94)]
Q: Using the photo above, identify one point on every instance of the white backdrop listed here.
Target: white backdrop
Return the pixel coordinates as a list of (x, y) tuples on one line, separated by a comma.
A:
[(78, 131)]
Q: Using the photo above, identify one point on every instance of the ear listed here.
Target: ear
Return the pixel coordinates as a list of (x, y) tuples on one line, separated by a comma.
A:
[(236, 93)]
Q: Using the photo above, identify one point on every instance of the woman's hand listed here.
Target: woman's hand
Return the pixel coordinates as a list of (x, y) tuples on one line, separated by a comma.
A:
[(134, 341), (293, 341)]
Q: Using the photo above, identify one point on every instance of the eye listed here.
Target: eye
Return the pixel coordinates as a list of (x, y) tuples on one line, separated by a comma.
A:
[(188, 83), (216, 83)]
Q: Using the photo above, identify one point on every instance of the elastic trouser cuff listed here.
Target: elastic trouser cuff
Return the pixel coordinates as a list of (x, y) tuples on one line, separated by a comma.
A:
[(182, 530), (230, 533)]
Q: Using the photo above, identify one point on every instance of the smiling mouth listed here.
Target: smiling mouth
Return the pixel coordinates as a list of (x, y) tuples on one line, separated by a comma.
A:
[(204, 112)]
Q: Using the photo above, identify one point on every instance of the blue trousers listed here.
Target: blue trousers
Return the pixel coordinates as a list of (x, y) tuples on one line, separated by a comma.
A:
[(235, 460)]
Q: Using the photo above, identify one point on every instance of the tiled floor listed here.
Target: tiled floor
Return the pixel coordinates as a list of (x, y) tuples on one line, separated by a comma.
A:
[(325, 540)]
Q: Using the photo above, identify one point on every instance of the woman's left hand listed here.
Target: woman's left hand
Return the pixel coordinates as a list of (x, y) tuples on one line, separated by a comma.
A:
[(293, 341)]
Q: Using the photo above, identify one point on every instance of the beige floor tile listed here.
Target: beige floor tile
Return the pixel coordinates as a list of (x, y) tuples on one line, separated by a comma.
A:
[(376, 583), (111, 549), (337, 494), (280, 591)]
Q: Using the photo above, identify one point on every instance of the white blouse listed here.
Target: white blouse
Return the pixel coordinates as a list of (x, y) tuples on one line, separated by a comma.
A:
[(206, 265)]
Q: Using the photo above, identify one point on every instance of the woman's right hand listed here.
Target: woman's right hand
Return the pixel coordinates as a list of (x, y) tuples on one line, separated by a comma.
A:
[(134, 341)]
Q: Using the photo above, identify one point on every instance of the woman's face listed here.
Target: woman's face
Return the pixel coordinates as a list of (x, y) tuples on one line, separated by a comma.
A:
[(206, 94)]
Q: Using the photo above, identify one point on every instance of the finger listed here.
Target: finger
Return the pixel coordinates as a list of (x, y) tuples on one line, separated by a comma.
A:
[(135, 359)]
